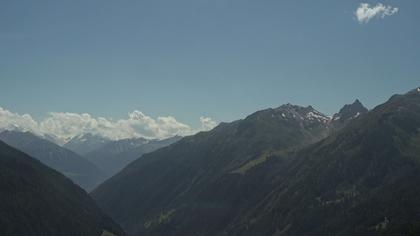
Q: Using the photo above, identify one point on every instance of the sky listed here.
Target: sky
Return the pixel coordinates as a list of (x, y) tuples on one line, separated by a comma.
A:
[(175, 62)]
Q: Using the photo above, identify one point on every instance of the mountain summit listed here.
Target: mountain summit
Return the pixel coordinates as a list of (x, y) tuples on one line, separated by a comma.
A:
[(350, 111)]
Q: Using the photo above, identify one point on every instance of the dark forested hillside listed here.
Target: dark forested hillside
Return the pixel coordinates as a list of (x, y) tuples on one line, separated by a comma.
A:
[(37, 200)]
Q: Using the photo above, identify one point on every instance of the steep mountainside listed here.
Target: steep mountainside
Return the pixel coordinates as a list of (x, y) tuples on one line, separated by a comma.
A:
[(244, 178), (364, 180), (77, 168), (115, 155), (176, 180), (37, 200), (86, 143)]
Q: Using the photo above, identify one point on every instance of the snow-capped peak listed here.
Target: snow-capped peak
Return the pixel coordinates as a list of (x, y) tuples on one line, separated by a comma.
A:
[(289, 111)]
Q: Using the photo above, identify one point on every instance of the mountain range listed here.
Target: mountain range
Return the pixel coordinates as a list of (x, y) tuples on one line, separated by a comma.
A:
[(284, 171)]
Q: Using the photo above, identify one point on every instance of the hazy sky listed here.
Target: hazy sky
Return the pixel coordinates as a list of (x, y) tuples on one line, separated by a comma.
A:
[(221, 59)]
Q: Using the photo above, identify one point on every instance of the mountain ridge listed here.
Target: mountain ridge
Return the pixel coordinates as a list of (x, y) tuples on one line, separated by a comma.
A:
[(272, 175), (85, 143)]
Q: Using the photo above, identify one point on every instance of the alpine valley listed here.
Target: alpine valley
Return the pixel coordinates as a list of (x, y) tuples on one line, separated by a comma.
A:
[(287, 171)]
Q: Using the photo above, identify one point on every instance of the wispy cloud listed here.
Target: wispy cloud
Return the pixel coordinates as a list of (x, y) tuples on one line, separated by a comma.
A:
[(364, 13), (65, 125)]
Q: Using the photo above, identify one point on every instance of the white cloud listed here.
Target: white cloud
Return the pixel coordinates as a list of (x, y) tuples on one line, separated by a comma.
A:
[(14, 121), (207, 123), (365, 12), (65, 125)]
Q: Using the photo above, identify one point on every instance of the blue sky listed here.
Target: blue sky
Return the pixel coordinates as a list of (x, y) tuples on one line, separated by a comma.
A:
[(189, 58)]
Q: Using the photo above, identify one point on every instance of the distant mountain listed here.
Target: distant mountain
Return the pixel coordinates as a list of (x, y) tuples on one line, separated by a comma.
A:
[(52, 138), (175, 179), (115, 155), (37, 200), (270, 174), (77, 168), (86, 143)]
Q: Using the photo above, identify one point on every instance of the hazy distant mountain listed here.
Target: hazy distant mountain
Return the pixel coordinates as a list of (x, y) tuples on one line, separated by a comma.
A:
[(86, 143), (77, 168), (173, 181), (115, 155), (53, 138), (37, 200), (266, 175)]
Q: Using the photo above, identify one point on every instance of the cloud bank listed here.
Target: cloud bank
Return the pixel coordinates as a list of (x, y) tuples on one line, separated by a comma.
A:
[(64, 125), (365, 12), (14, 121)]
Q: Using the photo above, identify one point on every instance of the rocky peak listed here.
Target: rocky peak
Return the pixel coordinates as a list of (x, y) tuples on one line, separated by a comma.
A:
[(350, 111)]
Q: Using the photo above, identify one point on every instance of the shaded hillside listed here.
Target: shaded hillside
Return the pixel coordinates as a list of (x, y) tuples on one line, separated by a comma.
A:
[(364, 180), (77, 168), (37, 200), (175, 180), (244, 178)]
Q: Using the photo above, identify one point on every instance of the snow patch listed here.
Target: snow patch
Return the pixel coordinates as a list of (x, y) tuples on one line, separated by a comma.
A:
[(316, 116)]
